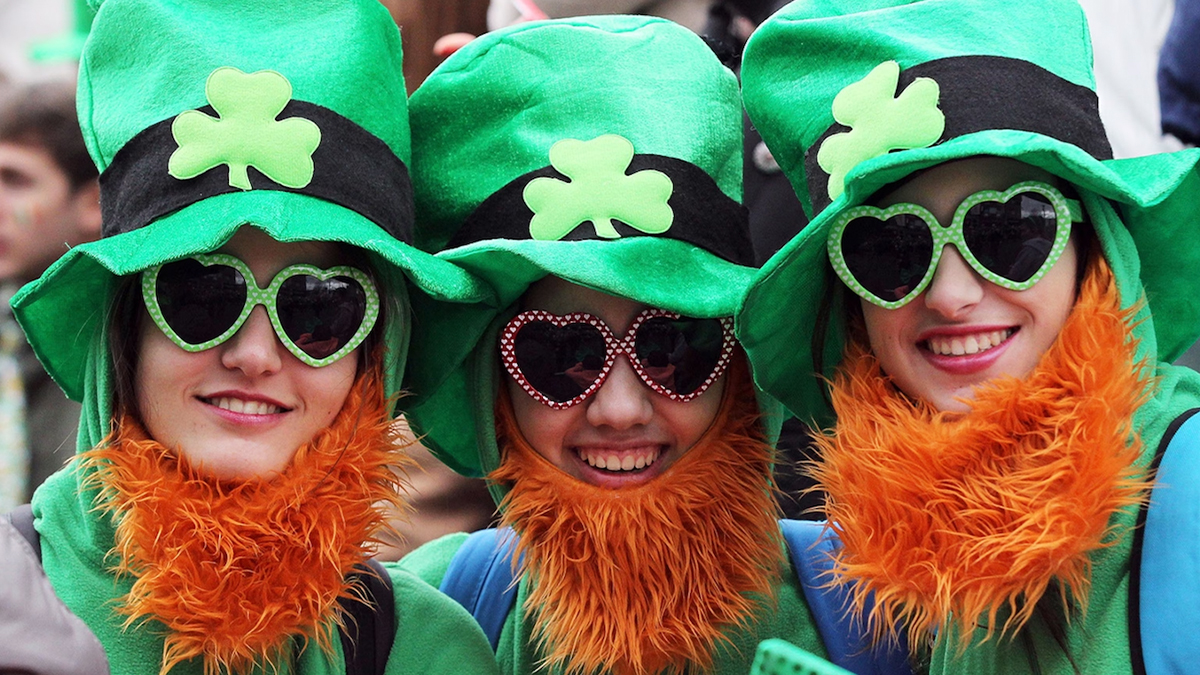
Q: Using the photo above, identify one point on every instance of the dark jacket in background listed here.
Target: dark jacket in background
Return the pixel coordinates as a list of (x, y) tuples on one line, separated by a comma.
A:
[(1179, 74)]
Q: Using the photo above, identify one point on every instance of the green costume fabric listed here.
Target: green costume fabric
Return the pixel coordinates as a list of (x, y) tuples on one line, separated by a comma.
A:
[(1007, 79), (494, 113), (516, 652), (147, 68)]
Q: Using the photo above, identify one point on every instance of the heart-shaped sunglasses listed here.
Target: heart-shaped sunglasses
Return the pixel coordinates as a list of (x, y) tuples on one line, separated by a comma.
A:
[(320, 315), (1011, 238), (561, 360)]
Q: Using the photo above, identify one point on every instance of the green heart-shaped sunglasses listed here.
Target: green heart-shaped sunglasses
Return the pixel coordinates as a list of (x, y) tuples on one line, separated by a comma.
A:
[(320, 315), (1011, 238)]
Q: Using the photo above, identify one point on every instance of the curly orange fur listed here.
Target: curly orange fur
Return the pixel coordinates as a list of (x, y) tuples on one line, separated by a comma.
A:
[(946, 518), (647, 579), (236, 569)]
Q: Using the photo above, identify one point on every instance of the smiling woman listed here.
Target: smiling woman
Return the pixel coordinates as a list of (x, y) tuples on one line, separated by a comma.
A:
[(242, 408), (604, 396), (991, 302), (238, 337)]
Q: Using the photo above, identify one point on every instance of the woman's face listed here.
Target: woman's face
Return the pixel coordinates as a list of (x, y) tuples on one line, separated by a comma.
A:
[(624, 423), (241, 409), (963, 330)]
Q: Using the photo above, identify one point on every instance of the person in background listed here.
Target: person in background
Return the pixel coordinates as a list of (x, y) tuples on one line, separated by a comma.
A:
[(775, 217), (1179, 74), (688, 13), (49, 202), (1179, 94)]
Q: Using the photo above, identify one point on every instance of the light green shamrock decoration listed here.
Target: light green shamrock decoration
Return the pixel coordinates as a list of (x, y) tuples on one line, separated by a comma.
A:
[(599, 191), (880, 121), (246, 132)]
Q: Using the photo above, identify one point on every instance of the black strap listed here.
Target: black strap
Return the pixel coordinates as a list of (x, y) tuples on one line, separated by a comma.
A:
[(22, 519), (370, 621)]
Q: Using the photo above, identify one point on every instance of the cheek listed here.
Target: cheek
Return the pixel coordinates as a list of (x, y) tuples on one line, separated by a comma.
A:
[(884, 330), (329, 387), (542, 426), (1050, 301), (159, 382), (691, 420)]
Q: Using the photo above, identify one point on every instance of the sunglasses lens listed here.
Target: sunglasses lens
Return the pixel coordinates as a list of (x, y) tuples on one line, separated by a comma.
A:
[(889, 257), (199, 302), (679, 354), (561, 362), (1014, 238), (320, 316)]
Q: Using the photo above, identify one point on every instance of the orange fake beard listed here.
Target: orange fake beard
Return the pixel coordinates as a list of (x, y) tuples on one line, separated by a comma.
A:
[(948, 518), (235, 569), (647, 579)]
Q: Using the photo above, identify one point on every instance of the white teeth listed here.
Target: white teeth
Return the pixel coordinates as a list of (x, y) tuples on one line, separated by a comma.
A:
[(238, 405), (971, 344), (615, 462)]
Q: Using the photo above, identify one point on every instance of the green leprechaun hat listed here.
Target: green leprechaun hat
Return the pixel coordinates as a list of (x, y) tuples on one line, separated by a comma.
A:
[(603, 150), (854, 96), (206, 115)]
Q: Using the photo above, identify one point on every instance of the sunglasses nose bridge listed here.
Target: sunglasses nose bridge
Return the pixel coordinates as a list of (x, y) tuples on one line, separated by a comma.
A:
[(622, 400), (255, 347), (954, 285)]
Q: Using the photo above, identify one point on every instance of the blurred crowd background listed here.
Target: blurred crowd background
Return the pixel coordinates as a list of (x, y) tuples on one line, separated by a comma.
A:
[(46, 205)]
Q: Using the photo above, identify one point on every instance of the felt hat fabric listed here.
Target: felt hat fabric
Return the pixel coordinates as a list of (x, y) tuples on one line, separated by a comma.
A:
[(603, 150), (854, 96), (204, 116)]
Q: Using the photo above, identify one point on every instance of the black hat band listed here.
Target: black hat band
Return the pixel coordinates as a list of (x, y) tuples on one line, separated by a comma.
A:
[(351, 167), (703, 215), (979, 93)]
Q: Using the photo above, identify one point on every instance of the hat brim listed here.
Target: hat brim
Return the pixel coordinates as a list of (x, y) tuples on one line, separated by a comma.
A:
[(776, 321), (63, 310), (657, 271)]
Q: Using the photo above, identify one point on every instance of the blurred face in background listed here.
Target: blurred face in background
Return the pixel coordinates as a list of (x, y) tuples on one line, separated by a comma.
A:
[(41, 213)]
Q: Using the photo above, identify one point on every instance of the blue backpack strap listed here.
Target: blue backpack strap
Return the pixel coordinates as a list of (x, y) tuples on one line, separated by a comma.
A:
[(480, 577), (811, 548), (1165, 568)]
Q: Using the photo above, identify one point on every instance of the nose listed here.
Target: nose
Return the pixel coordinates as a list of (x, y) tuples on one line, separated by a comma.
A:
[(622, 402), (254, 349), (955, 287)]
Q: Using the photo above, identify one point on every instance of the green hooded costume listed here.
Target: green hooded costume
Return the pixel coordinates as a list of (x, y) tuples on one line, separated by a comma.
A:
[(334, 70), (841, 92), (642, 95)]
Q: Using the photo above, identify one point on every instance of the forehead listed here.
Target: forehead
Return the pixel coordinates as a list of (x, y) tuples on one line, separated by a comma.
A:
[(945, 186), (559, 296), (21, 156), (265, 256)]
